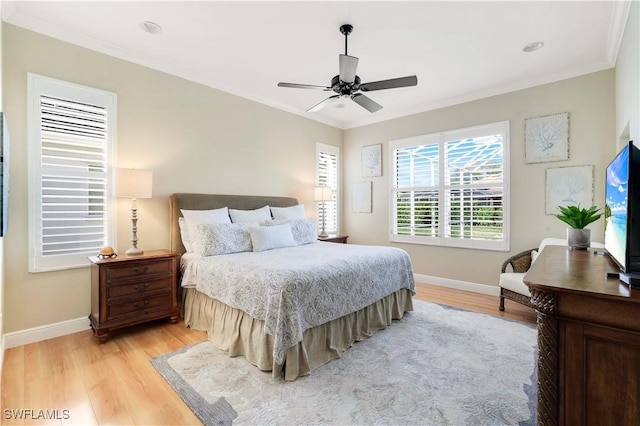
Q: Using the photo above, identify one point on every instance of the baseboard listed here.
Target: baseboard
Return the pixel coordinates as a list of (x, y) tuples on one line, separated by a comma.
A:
[(49, 331), (459, 285)]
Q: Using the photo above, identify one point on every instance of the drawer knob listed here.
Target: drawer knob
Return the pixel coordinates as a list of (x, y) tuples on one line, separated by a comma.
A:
[(138, 271), (141, 305)]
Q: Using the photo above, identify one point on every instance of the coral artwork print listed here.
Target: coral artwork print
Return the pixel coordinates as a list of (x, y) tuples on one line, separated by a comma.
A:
[(547, 138), (568, 186)]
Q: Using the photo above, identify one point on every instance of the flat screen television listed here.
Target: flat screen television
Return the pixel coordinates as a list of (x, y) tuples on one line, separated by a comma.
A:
[(622, 213)]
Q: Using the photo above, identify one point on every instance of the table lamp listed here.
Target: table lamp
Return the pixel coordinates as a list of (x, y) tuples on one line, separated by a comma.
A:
[(134, 184), (323, 193)]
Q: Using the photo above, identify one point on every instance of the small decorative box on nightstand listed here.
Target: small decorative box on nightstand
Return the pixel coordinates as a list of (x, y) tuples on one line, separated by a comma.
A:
[(335, 238), (129, 290)]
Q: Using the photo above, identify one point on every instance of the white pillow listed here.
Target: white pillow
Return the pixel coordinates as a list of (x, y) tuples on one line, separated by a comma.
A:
[(271, 237), (194, 217), (250, 216), (288, 213), (223, 238), (184, 234), (534, 256), (304, 230)]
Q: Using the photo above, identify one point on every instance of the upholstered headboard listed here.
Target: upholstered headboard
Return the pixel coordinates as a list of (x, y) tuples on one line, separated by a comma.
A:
[(187, 201)]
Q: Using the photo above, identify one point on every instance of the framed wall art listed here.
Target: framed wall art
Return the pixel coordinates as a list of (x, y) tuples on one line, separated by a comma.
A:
[(362, 197), (568, 186), (547, 138), (371, 161)]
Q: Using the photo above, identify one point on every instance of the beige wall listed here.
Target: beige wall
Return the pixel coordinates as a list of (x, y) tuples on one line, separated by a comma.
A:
[(591, 105), (193, 138), (628, 81)]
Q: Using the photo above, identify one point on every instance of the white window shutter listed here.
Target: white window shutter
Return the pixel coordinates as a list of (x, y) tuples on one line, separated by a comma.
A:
[(451, 188), (327, 163), (70, 150)]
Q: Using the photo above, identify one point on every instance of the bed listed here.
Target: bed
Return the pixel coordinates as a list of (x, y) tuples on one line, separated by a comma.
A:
[(292, 309)]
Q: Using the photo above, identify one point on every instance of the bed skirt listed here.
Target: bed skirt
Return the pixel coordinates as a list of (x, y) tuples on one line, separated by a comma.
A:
[(237, 333)]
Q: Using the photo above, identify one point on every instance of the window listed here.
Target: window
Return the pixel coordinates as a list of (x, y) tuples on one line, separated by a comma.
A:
[(327, 160), (451, 189), (71, 132)]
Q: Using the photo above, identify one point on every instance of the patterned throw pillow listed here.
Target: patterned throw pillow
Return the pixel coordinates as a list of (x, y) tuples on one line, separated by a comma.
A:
[(223, 238)]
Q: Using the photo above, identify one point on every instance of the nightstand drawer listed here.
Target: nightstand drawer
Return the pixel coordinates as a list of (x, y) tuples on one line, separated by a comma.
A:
[(138, 270), (139, 307), (139, 287)]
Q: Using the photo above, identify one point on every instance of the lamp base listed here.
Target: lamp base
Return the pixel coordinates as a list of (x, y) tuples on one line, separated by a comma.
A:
[(134, 251), (323, 235)]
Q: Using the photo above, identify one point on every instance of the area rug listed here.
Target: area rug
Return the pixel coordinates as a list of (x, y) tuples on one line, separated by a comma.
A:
[(436, 366)]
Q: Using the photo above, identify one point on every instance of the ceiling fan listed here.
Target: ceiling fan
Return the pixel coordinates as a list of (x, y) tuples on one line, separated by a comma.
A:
[(347, 83)]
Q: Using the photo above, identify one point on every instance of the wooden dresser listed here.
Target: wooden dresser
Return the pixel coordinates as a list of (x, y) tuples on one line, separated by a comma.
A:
[(589, 340), (129, 290)]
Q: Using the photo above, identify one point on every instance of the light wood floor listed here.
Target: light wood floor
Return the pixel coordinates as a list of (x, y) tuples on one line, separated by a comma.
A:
[(114, 383)]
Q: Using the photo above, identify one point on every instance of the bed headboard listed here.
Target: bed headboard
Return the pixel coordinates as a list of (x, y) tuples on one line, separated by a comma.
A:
[(187, 201)]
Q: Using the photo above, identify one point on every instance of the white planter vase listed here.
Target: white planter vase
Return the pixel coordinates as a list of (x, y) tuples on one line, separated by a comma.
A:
[(578, 239)]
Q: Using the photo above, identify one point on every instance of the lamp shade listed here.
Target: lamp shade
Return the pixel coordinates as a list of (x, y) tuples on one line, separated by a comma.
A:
[(323, 193), (134, 183)]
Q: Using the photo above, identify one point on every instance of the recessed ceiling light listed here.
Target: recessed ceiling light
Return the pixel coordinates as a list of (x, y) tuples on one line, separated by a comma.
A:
[(532, 47), (151, 27)]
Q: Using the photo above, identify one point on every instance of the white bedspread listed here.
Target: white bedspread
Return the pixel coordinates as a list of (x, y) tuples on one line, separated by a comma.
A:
[(296, 288)]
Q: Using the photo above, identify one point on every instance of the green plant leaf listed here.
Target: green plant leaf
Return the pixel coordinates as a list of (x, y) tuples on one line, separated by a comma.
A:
[(577, 217)]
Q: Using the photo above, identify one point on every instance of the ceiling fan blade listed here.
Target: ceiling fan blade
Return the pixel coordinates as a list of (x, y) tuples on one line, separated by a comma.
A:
[(390, 84), (365, 102), (303, 86), (348, 67), (324, 103)]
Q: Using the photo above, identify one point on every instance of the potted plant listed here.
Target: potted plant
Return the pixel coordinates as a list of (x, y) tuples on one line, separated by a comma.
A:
[(578, 237)]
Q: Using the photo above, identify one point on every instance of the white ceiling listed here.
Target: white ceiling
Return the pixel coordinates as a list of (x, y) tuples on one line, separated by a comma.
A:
[(460, 51)]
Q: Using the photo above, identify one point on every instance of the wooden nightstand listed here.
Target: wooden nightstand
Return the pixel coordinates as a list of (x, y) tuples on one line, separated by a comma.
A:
[(335, 238), (129, 290)]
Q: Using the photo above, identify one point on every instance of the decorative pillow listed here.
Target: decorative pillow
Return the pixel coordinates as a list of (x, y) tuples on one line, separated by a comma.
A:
[(223, 238), (194, 217), (534, 256), (250, 216), (288, 213), (304, 230), (271, 237), (184, 234)]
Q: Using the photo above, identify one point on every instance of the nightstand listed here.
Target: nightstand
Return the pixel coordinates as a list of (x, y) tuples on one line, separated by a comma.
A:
[(335, 238), (129, 290)]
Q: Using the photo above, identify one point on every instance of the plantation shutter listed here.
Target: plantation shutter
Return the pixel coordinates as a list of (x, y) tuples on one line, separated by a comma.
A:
[(70, 191), (416, 190), (474, 188), (327, 175), (450, 188)]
